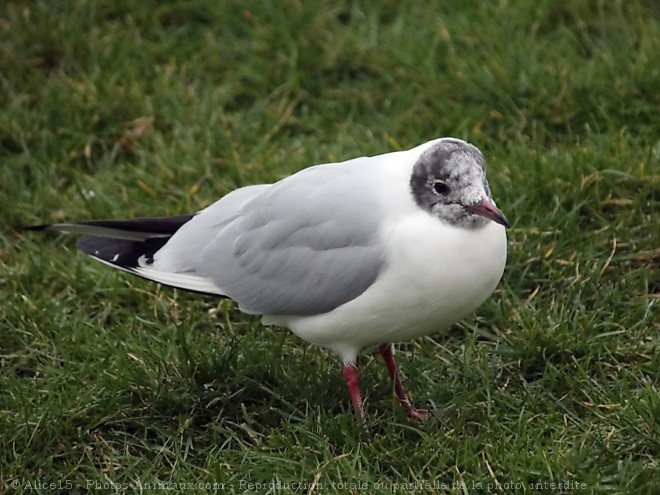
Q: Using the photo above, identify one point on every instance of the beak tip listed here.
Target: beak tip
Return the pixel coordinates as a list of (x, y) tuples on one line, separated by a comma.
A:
[(488, 210)]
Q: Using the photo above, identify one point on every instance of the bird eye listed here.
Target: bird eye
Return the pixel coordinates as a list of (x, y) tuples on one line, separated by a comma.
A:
[(440, 187)]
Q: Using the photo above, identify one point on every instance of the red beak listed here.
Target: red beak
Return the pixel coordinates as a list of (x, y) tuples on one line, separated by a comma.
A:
[(488, 210)]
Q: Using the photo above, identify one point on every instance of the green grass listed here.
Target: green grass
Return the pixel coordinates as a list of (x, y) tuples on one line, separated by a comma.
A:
[(121, 109)]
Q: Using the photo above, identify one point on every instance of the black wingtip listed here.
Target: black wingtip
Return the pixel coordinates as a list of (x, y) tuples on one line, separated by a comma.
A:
[(157, 226), (119, 252), (34, 227)]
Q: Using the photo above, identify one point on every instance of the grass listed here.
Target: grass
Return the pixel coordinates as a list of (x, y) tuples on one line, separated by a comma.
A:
[(123, 109)]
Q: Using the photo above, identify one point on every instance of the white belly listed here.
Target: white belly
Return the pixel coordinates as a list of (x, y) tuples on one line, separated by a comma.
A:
[(435, 276)]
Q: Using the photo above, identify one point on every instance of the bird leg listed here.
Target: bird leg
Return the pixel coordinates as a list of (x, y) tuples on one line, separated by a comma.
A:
[(387, 351), (352, 378)]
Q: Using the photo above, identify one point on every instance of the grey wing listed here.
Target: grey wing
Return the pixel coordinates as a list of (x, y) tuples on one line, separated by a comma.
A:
[(305, 246)]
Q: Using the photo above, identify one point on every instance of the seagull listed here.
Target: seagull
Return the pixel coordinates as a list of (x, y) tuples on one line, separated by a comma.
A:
[(366, 252)]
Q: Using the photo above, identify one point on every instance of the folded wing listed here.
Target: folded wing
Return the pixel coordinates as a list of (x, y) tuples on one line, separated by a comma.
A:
[(304, 246)]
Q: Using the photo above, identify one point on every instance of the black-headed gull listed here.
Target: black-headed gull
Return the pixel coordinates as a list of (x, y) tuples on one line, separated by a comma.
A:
[(369, 251)]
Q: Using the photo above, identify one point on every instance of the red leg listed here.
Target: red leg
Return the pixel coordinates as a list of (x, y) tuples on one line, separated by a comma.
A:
[(387, 351), (352, 377)]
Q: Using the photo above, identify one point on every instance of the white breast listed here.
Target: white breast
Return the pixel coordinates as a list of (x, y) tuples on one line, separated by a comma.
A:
[(436, 275)]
